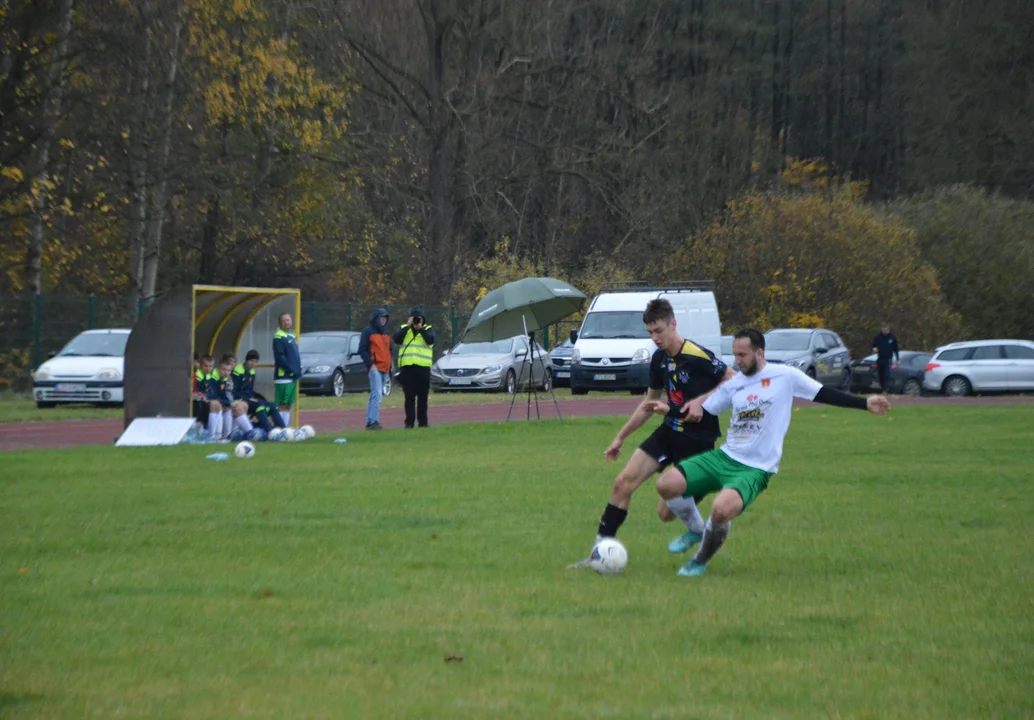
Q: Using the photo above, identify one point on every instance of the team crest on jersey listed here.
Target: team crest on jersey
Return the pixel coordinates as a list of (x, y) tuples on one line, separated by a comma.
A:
[(683, 377), (766, 382)]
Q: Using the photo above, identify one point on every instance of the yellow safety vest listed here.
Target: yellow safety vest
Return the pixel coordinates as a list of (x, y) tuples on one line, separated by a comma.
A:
[(415, 351)]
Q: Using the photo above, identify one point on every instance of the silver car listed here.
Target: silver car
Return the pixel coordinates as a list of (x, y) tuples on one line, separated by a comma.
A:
[(964, 368), (727, 357), (500, 365), (820, 353)]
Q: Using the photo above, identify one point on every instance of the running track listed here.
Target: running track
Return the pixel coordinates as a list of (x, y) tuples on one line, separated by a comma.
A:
[(74, 433)]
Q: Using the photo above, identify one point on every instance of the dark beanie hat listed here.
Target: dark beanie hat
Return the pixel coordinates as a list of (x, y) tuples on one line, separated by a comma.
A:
[(417, 311)]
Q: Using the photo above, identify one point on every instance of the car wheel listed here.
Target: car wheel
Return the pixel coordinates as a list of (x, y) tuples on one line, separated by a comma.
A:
[(912, 387), (45, 405), (810, 372), (386, 389), (957, 386), (337, 383), (547, 382), (511, 382), (845, 381)]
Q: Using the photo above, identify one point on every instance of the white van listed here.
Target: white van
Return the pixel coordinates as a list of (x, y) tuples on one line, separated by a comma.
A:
[(612, 349)]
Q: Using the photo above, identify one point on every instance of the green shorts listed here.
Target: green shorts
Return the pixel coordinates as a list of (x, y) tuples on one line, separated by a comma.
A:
[(286, 393), (713, 471)]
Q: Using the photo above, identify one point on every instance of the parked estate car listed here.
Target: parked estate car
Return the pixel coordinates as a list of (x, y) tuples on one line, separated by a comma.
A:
[(906, 375), (331, 364), (90, 368), (964, 368), (818, 352), (560, 361), (499, 365)]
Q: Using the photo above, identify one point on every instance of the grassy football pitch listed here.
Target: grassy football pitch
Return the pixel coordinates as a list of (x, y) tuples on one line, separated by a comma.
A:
[(886, 573)]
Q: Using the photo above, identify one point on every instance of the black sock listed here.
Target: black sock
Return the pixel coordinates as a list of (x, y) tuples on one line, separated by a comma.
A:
[(612, 519)]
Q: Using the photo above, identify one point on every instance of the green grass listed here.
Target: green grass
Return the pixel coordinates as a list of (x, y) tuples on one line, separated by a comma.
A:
[(20, 407), (886, 573)]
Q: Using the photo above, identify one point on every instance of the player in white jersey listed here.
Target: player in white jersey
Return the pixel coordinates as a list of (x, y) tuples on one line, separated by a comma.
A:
[(761, 400)]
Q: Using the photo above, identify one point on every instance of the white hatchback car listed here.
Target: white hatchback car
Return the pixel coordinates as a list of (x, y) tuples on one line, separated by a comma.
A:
[(89, 369), (964, 368)]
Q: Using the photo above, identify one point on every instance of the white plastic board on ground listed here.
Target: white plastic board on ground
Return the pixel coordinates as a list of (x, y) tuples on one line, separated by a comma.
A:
[(144, 432)]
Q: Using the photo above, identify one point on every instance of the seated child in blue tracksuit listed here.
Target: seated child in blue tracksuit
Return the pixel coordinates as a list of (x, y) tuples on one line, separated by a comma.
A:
[(244, 391), (224, 411)]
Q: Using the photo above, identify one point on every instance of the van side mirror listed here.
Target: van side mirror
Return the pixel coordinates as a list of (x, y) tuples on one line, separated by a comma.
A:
[(574, 336), (52, 354)]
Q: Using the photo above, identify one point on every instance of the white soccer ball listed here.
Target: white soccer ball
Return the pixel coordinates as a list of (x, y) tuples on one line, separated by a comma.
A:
[(309, 430), (294, 435), (277, 434), (244, 450), (609, 557)]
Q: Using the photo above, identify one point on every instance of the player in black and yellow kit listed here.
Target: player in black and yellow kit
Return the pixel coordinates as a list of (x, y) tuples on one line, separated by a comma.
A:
[(680, 370)]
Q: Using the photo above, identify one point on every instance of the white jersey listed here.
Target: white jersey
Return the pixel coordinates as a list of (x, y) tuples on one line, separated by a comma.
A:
[(761, 408)]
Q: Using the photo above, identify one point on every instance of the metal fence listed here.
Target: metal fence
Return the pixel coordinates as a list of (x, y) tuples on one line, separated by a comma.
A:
[(35, 325)]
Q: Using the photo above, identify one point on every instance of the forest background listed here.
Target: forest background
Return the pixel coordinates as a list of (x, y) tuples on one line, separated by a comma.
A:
[(825, 162)]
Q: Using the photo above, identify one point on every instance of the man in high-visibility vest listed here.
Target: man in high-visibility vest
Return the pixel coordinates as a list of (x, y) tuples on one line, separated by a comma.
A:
[(415, 340)]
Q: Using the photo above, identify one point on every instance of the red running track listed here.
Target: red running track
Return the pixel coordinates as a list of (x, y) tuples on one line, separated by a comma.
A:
[(74, 433)]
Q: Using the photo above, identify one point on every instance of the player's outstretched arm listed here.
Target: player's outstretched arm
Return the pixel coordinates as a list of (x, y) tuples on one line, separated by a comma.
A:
[(876, 404), (650, 405)]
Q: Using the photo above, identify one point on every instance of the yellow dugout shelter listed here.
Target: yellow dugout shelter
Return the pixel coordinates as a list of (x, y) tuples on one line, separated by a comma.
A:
[(209, 320)]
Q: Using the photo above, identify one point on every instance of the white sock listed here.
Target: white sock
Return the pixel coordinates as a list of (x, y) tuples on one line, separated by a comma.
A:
[(244, 424), (286, 415), (686, 511), (227, 423), (213, 425)]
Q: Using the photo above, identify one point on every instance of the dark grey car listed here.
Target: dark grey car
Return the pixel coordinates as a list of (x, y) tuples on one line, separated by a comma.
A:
[(331, 364)]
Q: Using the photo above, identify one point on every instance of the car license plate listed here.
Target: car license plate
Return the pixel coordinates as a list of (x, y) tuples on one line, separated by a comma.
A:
[(605, 376), (460, 381), (564, 374), (73, 387)]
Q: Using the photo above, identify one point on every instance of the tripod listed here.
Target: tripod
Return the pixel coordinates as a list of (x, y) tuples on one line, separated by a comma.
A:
[(532, 390)]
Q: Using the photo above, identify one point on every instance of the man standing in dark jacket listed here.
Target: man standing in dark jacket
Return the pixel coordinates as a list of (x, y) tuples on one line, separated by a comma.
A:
[(375, 351), (415, 340), (885, 345), (287, 367)]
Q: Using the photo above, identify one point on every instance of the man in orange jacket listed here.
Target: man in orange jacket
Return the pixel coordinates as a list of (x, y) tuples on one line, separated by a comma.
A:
[(375, 351)]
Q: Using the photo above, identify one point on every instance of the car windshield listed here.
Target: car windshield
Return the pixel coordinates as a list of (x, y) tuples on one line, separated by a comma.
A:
[(614, 325), (96, 345), (499, 347), (322, 344), (787, 341), (726, 346)]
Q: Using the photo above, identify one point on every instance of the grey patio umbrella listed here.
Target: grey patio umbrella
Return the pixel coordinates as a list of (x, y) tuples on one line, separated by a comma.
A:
[(521, 307)]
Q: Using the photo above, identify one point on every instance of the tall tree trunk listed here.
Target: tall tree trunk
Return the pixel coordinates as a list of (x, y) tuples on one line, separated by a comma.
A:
[(156, 217), (138, 162), (51, 114)]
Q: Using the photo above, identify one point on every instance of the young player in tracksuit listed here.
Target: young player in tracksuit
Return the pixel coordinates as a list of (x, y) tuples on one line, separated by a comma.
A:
[(244, 391), (224, 412), (203, 367)]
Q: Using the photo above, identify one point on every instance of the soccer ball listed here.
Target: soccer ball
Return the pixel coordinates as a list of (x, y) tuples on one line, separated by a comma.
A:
[(609, 557), (309, 431), (292, 435), (244, 450), (257, 435), (277, 434)]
